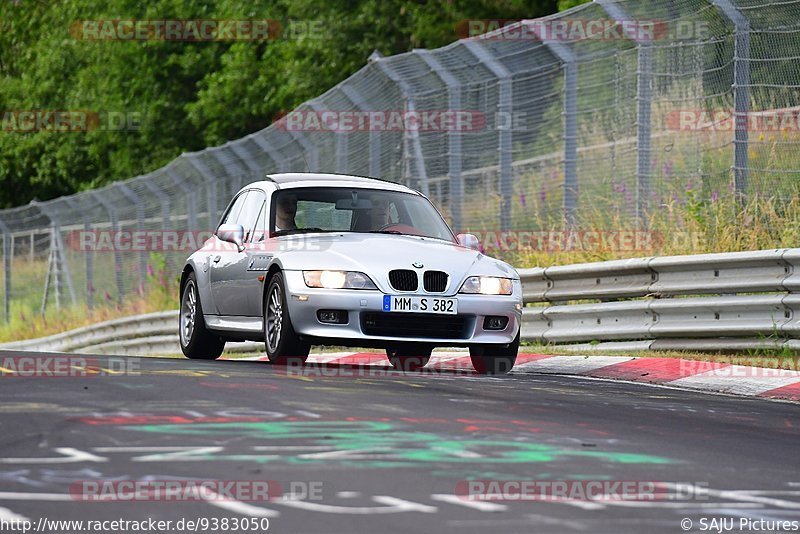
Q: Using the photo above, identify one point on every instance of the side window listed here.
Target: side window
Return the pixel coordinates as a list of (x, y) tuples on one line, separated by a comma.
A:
[(249, 215), (233, 212)]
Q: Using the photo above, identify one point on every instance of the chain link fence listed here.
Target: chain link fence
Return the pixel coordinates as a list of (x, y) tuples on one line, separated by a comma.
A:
[(598, 116)]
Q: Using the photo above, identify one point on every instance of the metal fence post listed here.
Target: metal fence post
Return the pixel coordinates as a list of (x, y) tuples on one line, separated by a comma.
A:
[(88, 259), (191, 199), (112, 215), (504, 108), (244, 165), (312, 163), (242, 155), (570, 142), (60, 264), (374, 135), (341, 152), (340, 137), (211, 186), (8, 251), (143, 254), (644, 98), (571, 187), (456, 182), (411, 107), (278, 158), (741, 95), (163, 200)]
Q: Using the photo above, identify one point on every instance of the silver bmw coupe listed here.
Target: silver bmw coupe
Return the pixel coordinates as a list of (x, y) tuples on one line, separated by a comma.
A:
[(304, 259)]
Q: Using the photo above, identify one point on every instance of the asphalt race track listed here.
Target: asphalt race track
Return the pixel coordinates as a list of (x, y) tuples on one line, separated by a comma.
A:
[(358, 451)]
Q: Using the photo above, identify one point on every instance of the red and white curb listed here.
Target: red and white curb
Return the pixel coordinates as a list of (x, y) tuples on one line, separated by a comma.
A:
[(715, 377)]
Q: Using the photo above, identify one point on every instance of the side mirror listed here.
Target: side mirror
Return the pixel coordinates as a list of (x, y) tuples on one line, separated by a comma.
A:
[(232, 233), (469, 241)]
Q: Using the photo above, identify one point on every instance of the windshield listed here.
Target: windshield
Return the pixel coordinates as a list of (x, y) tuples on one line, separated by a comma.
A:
[(342, 209)]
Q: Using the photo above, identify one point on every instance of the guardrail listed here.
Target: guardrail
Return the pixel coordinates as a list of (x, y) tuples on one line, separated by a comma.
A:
[(137, 335), (705, 301), (727, 301)]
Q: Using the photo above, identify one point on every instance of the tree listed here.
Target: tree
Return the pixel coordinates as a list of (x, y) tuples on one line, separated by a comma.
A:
[(189, 95)]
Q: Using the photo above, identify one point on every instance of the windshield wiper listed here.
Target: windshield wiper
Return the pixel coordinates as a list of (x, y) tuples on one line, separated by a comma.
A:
[(386, 232)]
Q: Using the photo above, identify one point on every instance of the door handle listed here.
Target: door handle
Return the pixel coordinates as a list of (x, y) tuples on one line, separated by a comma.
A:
[(217, 258)]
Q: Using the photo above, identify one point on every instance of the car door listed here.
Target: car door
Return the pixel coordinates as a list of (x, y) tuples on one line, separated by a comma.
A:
[(258, 260), (233, 283)]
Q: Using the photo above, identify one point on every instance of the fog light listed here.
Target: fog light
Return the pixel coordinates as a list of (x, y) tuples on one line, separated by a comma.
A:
[(494, 322), (332, 316)]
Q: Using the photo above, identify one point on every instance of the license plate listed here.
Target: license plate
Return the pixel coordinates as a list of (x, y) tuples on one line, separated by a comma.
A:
[(394, 303)]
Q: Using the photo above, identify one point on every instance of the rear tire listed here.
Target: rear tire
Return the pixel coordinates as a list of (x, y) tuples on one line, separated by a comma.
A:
[(494, 359), (409, 356), (283, 344), (197, 342)]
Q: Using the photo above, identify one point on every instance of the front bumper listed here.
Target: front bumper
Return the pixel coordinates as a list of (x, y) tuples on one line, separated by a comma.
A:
[(304, 302)]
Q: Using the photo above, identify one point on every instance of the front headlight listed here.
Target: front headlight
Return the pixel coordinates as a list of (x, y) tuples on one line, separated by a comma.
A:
[(487, 285), (338, 280)]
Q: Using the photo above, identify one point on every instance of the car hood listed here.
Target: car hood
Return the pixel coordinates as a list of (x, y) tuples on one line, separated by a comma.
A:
[(377, 254)]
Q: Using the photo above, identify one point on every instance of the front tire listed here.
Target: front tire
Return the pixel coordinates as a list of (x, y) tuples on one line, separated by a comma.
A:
[(409, 357), (197, 342), (494, 359), (283, 344)]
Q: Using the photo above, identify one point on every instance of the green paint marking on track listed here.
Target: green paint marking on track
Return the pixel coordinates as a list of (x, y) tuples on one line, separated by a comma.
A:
[(381, 444)]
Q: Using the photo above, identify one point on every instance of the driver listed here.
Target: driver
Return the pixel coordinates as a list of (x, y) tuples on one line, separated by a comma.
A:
[(381, 214), (285, 211)]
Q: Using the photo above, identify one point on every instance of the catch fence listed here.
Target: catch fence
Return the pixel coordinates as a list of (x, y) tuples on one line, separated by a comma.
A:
[(596, 117)]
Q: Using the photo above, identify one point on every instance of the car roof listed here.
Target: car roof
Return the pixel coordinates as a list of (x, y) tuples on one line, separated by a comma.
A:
[(315, 179)]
